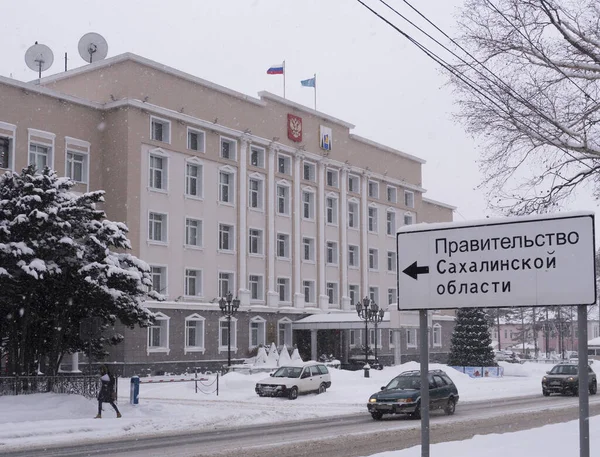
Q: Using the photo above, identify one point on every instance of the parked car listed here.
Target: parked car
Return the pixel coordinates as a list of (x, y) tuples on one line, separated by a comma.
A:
[(564, 378), (290, 381), (402, 395)]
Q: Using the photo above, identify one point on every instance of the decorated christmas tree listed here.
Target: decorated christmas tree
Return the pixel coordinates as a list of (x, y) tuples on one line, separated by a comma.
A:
[(470, 344)]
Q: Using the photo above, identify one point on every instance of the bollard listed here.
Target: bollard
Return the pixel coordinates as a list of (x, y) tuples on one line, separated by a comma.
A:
[(134, 393), (367, 368)]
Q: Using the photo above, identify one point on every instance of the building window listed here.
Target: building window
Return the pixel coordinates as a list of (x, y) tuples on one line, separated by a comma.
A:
[(158, 334), (372, 222), (255, 241), (193, 179), (390, 222), (332, 210), (352, 255), (353, 219), (373, 259), (193, 283), (409, 199), (258, 331), (77, 166), (225, 283), (257, 157), (309, 249), (332, 293), (224, 334), (283, 287), (5, 152), (332, 253), (408, 219), (228, 149), (411, 337), (158, 172), (40, 156), (353, 338), (373, 189), (226, 187), (437, 335), (374, 294), (161, 130), (353, 184), (353, 293), (332, 178), (308, 205), (194, 333), (391, 339), (157, 227), (159, 279), (225, 237), (195, 139), (309, 291), (255, 196), (391, 261), (284, 164), (309, 171), (392, 194), (392, 296), (284, 332), (255, 283), (283, 245), (283, 200), (193, 232)]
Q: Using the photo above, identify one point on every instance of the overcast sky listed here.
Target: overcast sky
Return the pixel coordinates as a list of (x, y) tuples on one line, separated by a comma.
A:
[(367, 73)]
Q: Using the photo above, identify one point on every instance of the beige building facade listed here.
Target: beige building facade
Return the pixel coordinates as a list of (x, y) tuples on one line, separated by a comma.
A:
[(262, 197)]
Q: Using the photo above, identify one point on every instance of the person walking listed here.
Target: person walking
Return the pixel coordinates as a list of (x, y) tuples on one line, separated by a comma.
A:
[(106, 391)]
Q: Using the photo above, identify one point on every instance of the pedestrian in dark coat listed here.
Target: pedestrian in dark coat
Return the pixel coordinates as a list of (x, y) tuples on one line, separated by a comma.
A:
[(106, 391)]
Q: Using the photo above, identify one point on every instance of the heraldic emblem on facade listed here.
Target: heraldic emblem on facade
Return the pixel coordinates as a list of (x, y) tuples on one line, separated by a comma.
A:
[(294, 127)]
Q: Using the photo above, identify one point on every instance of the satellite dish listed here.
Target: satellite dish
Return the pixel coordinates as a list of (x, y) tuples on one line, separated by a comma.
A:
[(92, 47), (39, 57)]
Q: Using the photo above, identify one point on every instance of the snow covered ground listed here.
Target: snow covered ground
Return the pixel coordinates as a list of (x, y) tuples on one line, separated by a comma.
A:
[(43, 419)]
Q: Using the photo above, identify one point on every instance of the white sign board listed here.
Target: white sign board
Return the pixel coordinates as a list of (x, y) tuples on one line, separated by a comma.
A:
[(518, 261)]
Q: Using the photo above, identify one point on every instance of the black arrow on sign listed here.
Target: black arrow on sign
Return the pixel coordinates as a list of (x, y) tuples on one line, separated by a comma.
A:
[(414, 271)]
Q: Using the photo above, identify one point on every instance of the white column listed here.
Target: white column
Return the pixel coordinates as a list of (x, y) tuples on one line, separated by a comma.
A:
[(272, 295), (297, 215), (243, 292), (75, 363), (321, 218), (397, 346), (344, 239), (364, 238)]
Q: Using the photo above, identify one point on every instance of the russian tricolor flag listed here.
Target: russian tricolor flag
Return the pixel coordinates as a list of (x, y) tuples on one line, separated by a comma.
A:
[(275, 69)]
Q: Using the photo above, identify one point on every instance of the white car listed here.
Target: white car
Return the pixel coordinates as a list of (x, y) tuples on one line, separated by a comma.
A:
[(290, 381)]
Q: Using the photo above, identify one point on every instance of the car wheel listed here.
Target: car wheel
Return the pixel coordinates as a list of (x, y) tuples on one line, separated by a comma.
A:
[(450, 407), (417, 413), (377, 415), (322, 389), (545, 392), (293, 394), (594, 389), (576, 391)]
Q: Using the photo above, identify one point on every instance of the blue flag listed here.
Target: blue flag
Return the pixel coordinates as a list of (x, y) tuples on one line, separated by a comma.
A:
[(312, 82)]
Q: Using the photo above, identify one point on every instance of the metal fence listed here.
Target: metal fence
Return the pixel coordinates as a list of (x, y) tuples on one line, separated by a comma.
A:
[(87, 386)]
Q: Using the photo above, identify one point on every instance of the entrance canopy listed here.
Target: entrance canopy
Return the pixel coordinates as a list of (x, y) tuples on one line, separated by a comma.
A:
[(336, 321)]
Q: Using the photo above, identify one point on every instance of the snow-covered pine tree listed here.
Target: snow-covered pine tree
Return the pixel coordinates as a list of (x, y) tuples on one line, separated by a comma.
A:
[(61, 261), (470, 344)]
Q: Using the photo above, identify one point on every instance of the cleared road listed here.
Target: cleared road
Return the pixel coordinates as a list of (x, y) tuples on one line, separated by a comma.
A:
[(347, 436)]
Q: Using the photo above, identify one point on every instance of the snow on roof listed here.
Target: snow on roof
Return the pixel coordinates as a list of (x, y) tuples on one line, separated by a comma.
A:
[(594, 341)]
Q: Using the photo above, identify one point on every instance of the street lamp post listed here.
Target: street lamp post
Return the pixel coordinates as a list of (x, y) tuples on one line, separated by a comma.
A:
[(369, 311), (376, 318), (229, 307)]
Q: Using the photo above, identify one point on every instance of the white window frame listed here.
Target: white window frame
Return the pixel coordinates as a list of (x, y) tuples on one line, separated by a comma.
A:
[(356, 214), (287, 291), (231, 238), (356, 254), (286, 202), (158, 154), (436, 335), (260, 154), (356, 178), (232, 147), (196, 318), (374, 294), (334, 297), (199, 233), (373, 189), (223, 331), (72, 158), (409, 199), (312, 173), (311, 203), (164, 339), (260, 236), (409, 219), (331, 253), (261, 332), (43, 139), (201, 139), (311, 246), (199, 282), (286, 160), (332, 210), (373, 259), (287, 332), (391, 261), (230, 186), (166, 131), (411, 337), (260, 192), (260, 288), (335, 177), (81, 148), (199, 179), (231, 281), (391, 339), (393, 195), (310, 284), (164, 240), (163, 278), (373, 219), (11, 142), (393, 298), (284, 238), (357, 294), (390, 226)]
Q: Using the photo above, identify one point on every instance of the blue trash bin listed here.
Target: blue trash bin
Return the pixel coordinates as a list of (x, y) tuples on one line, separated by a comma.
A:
[(134, 393)]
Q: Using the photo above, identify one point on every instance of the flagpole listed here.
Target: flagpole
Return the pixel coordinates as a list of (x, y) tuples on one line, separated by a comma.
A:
[(315, 92), (284, 79)]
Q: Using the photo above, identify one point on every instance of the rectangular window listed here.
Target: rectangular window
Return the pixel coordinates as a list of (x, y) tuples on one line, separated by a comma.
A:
[(158, 334), (373, 189), (391, 261), (284, 334), (309, 249), (193, 283), (255, 196), (193, 232), (309, 291), (373, 259), (332, 253), (158, 172), (255, 241), (228, 149), (257, 333), (408, 219), (392, 194), (309, 171), (308, 205), (284, 164), (392, 296), (255, 283), (5, 151), (353, 184), (409, 199), (257, 157), (77, 164), (161, 130), (159, 279), (225, 237), (39, 156), (283, 287), (283, 200), (374, 294), (157, 227), (195, 140), (390, 222), (352, 255), (194, 333), (332, 178), (225, 187), (353, 215), (332, 293), (332, 210), (225, 283), (437, 335), (193, 179), (224, 334), (353, 293), (372, 222), (411, 337), (283, 245)]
